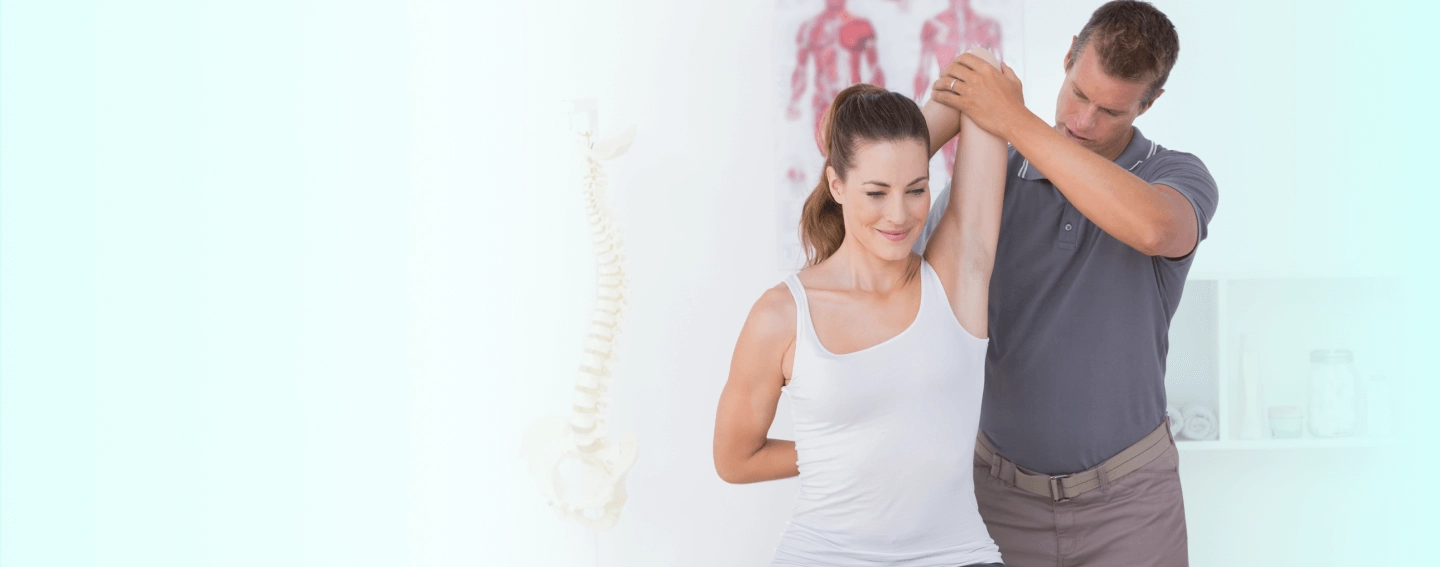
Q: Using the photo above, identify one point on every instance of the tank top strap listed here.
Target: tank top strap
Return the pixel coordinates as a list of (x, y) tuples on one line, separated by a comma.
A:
[(940, 303), (937, 301), (932, 285), (804, 328)]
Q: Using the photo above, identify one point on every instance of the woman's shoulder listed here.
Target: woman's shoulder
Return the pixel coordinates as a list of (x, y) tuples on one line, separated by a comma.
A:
[(773, 314)]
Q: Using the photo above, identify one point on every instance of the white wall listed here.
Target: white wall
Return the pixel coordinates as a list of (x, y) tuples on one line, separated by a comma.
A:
[(1291, 152)]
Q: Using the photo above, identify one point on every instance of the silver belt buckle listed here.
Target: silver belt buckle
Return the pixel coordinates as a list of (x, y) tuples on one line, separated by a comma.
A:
[(1057, 490)]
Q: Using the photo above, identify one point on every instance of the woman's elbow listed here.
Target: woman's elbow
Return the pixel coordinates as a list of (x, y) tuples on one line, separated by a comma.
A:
[(729, 472), (732, 467), (1158, 240)]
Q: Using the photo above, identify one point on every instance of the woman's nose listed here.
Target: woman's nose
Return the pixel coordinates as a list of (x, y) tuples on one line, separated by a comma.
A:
[(895, 209)]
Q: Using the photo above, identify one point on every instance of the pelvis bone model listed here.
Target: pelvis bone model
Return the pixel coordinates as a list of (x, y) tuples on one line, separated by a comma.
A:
[(580, 468)]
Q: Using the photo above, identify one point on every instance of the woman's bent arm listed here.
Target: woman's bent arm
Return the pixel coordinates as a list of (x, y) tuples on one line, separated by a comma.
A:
[(962, 249), (743, 453)]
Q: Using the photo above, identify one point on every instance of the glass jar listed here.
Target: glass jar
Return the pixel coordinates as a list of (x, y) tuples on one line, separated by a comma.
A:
[(1333, 387), (1287, 422)]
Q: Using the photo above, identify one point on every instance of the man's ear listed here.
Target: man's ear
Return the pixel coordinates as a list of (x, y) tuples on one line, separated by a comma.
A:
[(1068, 62), (837, 187), (1152, 102)]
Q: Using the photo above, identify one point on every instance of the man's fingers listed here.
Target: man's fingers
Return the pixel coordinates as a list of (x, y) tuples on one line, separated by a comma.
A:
[(966, 65), (946, 98), (957, 71), (949, 86)]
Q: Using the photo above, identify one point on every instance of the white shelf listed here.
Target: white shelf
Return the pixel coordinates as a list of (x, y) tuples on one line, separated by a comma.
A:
[(1284, 318), (1299, 443)]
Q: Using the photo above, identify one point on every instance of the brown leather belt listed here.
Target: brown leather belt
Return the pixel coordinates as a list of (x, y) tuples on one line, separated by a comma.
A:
[(1059, 488)]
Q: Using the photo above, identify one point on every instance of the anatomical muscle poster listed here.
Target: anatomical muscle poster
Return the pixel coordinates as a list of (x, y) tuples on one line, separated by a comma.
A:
[(823, 46)]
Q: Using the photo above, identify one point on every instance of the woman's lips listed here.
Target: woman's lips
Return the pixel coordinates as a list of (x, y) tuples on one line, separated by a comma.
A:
[(894, 235)]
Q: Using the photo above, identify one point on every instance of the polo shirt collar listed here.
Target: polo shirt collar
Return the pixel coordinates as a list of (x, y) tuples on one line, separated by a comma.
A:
[(1135, 153)]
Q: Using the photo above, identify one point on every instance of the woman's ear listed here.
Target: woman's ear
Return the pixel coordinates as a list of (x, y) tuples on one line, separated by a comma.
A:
[(837, 187)]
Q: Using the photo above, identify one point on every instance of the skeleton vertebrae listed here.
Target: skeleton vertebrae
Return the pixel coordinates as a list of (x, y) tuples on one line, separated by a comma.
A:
[(581, 468)]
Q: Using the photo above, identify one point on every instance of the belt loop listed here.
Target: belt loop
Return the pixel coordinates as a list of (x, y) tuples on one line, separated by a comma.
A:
[(995, 465), (1104, 477), (1007, 472)]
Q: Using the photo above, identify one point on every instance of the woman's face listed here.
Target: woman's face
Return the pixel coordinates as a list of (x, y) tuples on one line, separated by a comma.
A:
[(885, 196)]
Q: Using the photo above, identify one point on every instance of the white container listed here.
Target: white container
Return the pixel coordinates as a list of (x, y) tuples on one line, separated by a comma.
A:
[(1333, 393), (1252, 416)]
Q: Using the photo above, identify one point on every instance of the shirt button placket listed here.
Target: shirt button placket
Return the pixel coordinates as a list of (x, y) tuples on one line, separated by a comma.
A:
[(1069, 233)]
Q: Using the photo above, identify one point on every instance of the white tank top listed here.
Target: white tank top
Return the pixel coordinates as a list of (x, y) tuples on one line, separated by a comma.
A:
[(886, 442)]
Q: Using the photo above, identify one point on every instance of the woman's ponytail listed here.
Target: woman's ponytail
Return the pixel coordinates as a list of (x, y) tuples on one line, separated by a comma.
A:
[(822, 223)]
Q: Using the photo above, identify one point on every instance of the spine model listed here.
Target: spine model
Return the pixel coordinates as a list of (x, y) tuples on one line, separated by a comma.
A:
[(580, 468)]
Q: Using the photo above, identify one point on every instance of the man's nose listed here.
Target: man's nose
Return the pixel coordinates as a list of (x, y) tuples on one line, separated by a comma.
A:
[(1087, 118)]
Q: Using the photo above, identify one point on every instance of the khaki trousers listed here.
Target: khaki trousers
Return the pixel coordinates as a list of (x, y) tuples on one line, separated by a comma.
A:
[(1137, 520)]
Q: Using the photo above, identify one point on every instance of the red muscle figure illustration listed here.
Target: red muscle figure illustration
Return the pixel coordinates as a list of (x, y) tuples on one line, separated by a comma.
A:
[(842, 46), (943, 37)]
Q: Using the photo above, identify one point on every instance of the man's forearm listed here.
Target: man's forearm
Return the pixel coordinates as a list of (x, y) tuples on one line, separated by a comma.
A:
[(1126, 207)]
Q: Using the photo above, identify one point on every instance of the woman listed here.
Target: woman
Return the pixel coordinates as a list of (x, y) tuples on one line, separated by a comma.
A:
[(881, 351)]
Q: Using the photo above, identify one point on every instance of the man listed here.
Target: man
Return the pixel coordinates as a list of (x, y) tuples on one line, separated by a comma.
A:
[(1075, 464)]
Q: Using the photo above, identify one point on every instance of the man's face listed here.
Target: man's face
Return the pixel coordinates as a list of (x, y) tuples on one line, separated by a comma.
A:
[(1096, 109)]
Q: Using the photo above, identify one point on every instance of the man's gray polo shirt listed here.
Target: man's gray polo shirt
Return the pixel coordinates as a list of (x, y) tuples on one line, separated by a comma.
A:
[(1079, 321)]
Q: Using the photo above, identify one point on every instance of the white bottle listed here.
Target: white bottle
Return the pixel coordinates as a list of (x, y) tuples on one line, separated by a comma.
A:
[(1252, 418)]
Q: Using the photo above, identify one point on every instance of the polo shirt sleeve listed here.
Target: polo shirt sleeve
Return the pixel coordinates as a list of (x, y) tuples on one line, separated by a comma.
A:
[(1189, 176), (937, 210)]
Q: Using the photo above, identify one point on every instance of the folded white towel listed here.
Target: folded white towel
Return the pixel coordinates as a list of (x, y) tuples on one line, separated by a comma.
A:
[(1177, 421), (1200, 422)]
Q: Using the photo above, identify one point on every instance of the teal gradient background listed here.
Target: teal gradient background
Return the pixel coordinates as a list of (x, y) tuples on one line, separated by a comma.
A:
[(282, 283)]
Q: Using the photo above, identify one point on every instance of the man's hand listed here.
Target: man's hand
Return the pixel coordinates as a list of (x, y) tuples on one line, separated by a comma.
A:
[(992, 97)]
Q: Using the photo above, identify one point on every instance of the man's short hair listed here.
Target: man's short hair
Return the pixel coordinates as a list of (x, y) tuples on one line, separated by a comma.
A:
[(1135, 42)]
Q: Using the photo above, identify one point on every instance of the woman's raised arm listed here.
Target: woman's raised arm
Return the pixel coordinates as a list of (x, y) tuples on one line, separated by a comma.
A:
[(758, 370), (943, 123), (962, 249)]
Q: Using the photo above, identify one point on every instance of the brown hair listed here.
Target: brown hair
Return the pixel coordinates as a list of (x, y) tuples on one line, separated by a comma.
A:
[(1134, 40), (860, 113)]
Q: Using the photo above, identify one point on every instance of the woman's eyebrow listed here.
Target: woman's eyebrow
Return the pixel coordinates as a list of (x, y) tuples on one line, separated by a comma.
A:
[(887, 185)]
